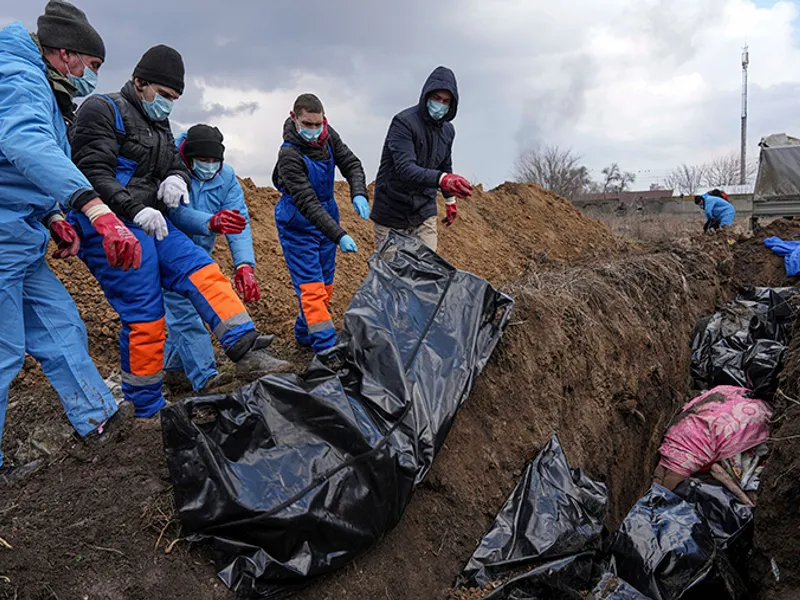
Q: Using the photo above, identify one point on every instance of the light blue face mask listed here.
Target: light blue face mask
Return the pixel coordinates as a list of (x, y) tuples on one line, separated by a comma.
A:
[(85, 84), (205, 170), (437, 110), (159, 109), (310, 135)]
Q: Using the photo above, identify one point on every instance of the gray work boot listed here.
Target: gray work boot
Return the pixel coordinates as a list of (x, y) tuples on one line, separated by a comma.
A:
[(258, 360)]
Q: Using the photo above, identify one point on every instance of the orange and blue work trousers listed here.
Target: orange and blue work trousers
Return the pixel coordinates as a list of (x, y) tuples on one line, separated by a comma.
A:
[(176, 264), (311, 258)]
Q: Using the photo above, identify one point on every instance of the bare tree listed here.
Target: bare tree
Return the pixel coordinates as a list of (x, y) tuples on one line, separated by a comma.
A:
[(725, 170), (554, 169), (616, 180), (686, 179)]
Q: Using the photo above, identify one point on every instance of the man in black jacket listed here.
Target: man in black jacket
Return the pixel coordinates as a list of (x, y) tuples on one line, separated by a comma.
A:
[(417, 161), (124, 146), (308, 217)]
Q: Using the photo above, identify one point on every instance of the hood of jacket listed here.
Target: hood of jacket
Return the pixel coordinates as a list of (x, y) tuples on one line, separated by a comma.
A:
[(16, 41), (23, 46), (442, 78)]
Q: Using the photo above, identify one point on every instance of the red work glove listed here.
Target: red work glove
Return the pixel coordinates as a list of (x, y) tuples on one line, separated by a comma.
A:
[(65, 237), (452, 213), (123, 250), (246, 284), (227, 221), (456, 185)]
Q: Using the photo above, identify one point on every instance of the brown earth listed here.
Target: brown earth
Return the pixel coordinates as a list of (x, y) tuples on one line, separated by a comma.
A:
[(597, 351)]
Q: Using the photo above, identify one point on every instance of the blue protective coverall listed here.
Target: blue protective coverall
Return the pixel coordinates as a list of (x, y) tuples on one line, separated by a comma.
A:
[(719, 209), (38, 315), (188, 345), (311, 257), (789, 249)]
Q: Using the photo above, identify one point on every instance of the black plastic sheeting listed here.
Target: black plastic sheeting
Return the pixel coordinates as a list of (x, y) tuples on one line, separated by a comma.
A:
[(663, 546), (554, 516), (743, 344), (667, 550), (296, 475)]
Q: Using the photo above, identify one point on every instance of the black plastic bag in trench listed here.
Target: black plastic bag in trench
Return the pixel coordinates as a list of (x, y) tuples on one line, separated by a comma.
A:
[(554, 512), (666, 550), (296, 475), (743, 343)]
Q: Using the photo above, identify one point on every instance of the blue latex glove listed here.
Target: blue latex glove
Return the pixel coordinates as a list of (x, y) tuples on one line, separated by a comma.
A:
[(348, 244), (361, 205)]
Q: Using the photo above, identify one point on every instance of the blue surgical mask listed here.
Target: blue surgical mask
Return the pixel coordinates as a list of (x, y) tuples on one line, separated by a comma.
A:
[(84, 84), (309, 135), (437, 110), (159, 109), (205, 170)]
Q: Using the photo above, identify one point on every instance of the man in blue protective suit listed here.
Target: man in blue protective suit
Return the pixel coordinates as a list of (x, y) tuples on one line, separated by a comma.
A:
[(307, 215), (216, 206), (719, 212), (39, 76), (123, 143)]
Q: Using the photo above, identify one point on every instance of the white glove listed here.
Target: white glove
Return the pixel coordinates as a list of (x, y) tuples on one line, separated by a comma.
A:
[(152, 223), (172, 191)]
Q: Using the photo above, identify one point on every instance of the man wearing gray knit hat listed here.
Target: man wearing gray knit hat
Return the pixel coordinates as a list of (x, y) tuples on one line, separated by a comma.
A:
[(39, 76)]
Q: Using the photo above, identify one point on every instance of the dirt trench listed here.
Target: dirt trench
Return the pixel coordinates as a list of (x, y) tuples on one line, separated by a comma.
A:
[(597, 351)]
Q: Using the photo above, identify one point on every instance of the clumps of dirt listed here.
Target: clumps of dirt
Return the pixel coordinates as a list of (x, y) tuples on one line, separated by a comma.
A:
[(756, 265)]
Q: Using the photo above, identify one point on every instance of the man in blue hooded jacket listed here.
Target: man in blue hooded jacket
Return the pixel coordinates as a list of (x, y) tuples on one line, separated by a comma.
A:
[(216, 206), (719, 212), (39, 76), (417, 161)]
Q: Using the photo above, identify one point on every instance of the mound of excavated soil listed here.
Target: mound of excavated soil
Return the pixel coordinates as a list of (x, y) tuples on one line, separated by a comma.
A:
[(597, 351), (496, 235)]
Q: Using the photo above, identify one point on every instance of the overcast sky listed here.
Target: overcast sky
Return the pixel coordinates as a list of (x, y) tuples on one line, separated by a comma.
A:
[(647, 83)]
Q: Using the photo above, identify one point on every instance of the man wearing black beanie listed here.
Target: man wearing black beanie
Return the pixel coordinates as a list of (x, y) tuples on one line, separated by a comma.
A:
[(38, 78), (123, 143)]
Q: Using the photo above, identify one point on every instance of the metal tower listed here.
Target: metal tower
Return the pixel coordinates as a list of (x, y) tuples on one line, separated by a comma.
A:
[(743, 160)]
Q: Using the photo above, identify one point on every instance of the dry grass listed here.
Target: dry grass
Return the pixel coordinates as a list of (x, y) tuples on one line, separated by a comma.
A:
[(653, 228), (160, 518)]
